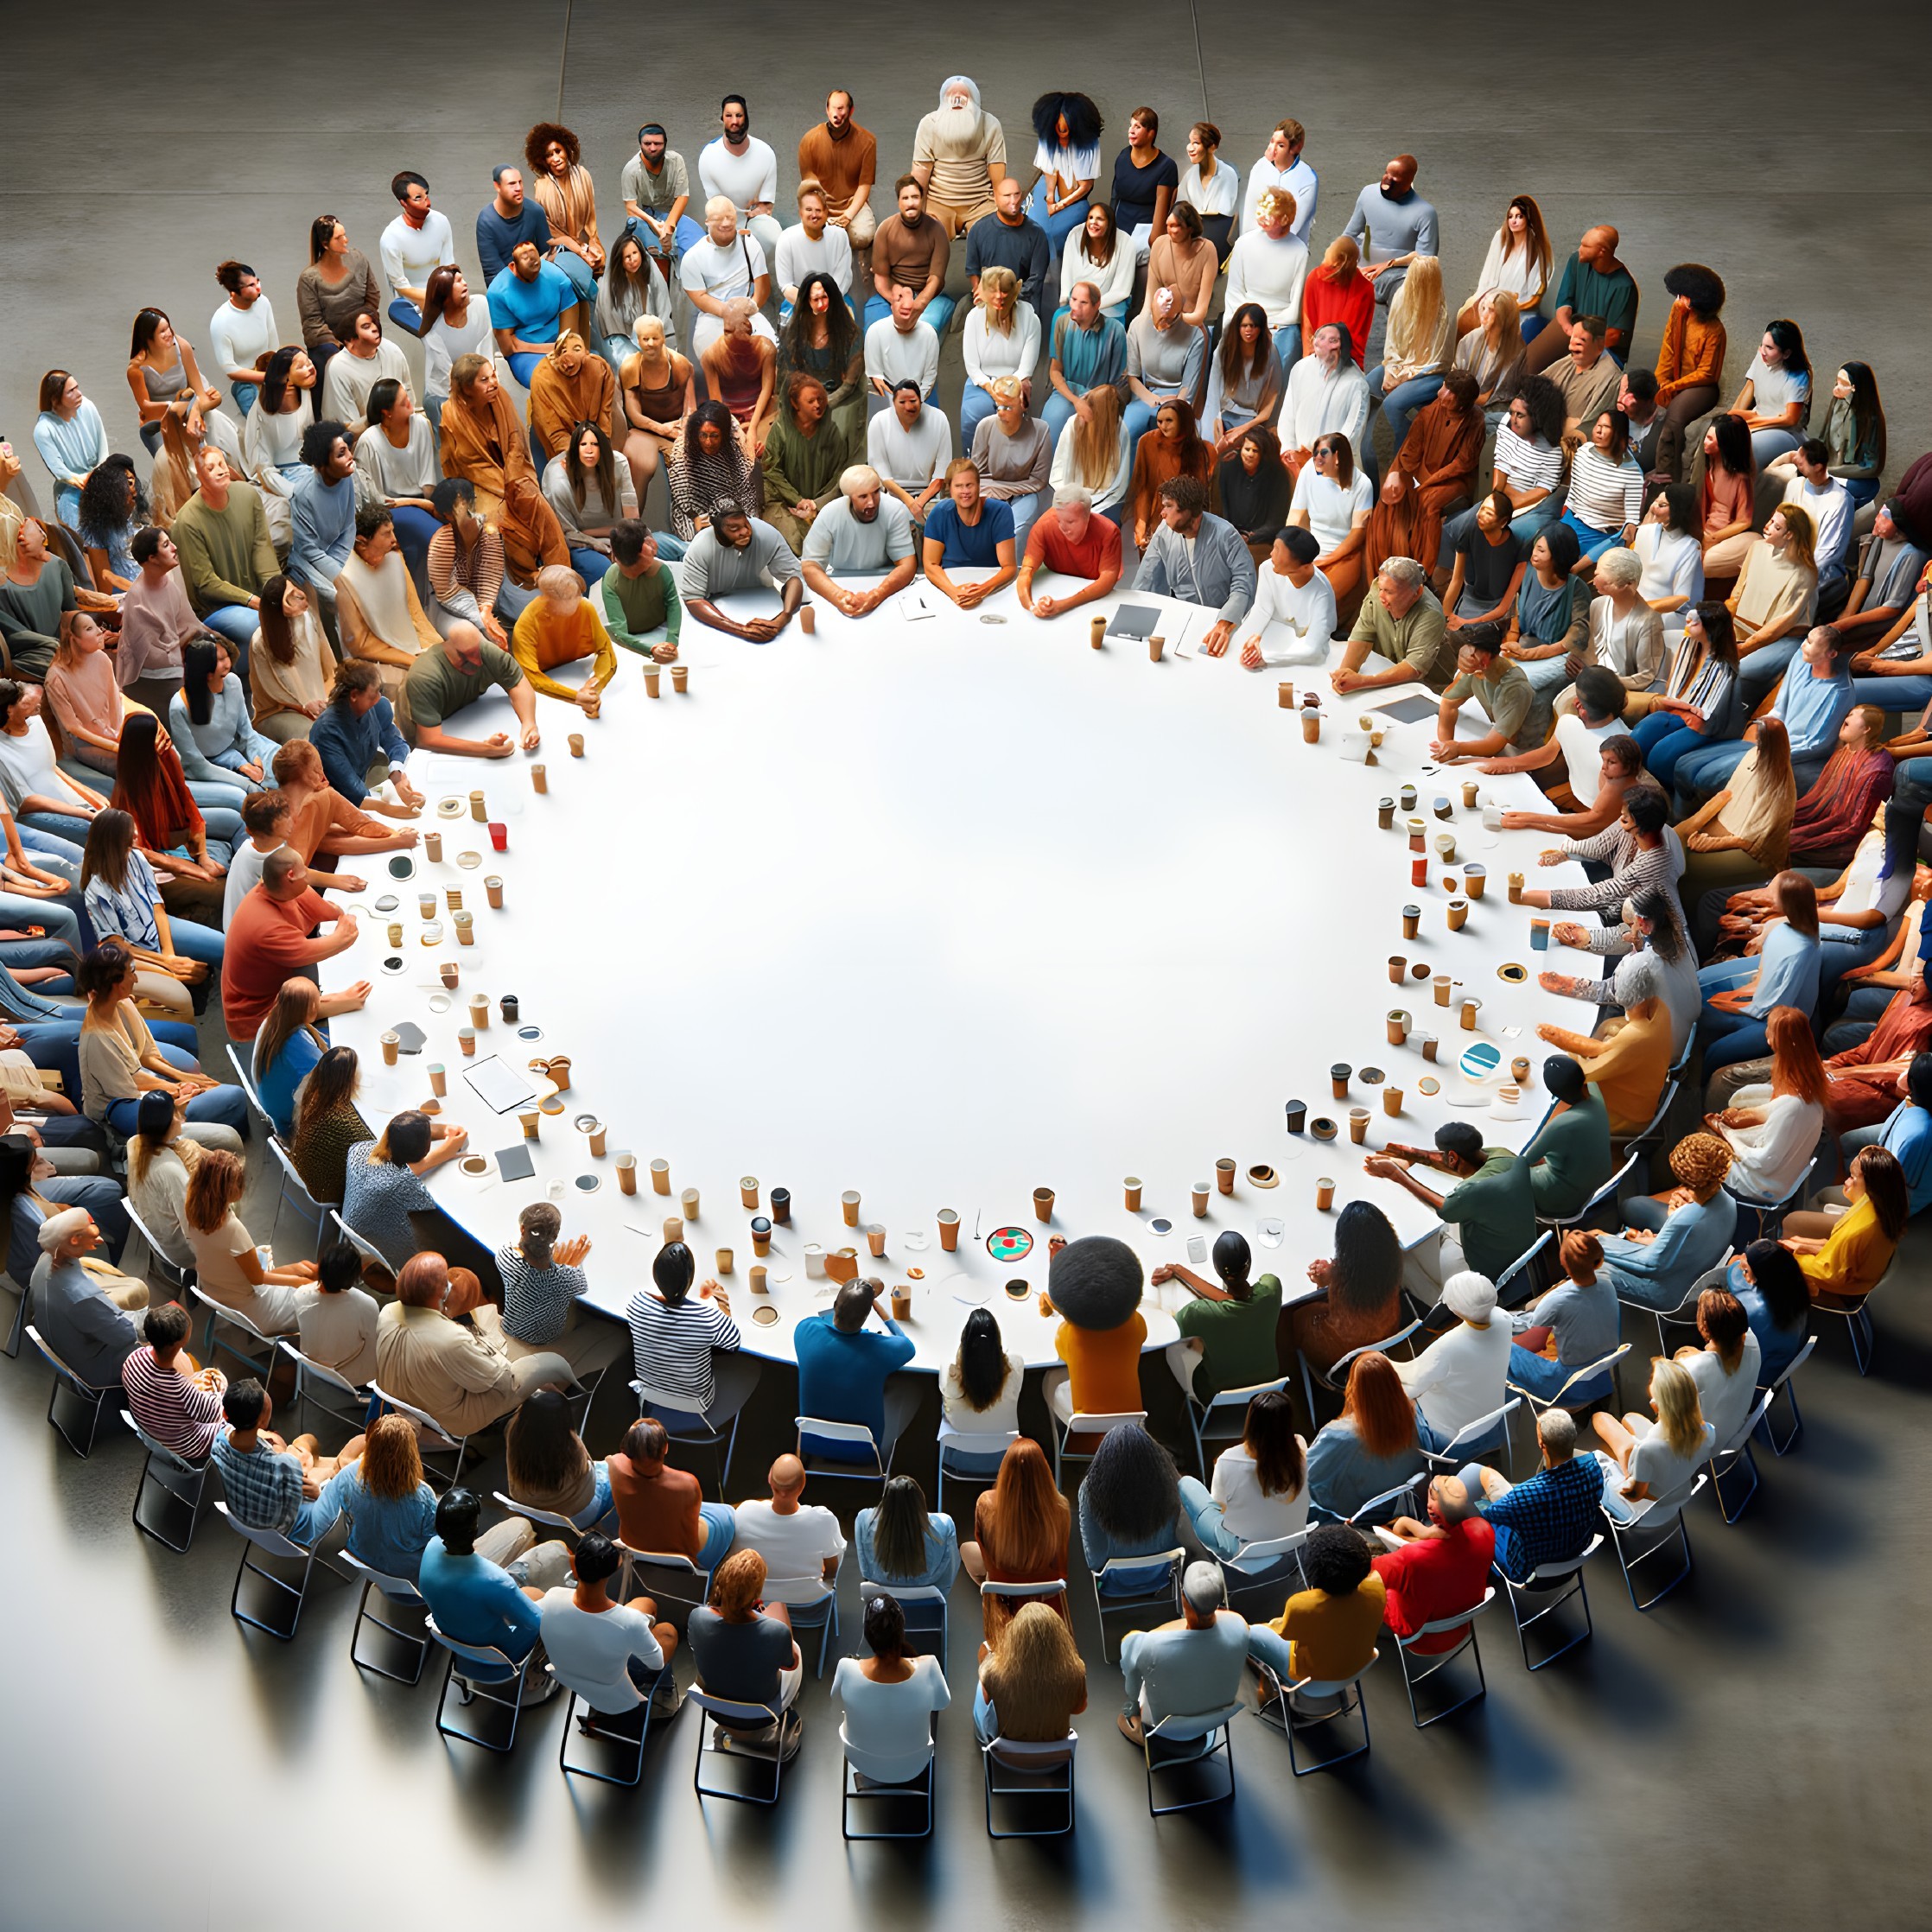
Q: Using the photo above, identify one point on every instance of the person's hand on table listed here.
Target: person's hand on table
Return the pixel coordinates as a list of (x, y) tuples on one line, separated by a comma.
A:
[(405, 791), (1343, 681), (1385, 1166), (663, 653), (531, 737), (1219, 634), (498, 745), (1545, 1032), (759, 629), (1320, 1271), (1554, 982), (970, 596), (1163, 1273), (1041, 607), (1251, 655), (347, 882), (1537, 897), (453, 1136), (1567, 932)]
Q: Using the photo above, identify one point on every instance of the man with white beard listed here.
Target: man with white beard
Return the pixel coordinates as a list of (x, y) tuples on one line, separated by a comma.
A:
[(959, 156)]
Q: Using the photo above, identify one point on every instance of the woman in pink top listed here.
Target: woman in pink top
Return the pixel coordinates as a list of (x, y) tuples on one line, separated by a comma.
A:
[(85, 693)]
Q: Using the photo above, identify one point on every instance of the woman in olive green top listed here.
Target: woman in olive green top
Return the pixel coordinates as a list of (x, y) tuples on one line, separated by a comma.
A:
[(806, 452), (1569, 1155), (327, 1124), (1228, 1330)]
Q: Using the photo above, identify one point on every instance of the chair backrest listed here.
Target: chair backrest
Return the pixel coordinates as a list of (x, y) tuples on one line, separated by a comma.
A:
[(854, 1433), (79, 1383), (1474, 1432), (1654, 1512), (1656, 1119), (320, 1371), (1765, 1203), (270, 1539), (1174, 1559), (964, 1442), (244, 1078), (1403, 1492), (1180, 1725), (902, 1592), (1748, 1427), (1554, 1573), (1240, 1398), (658, 1559), (1523, 1261), (549, 1518), (1027, 1755), (1099, 1425), (1256, 1559), (1796, 1362), (172, 1271), (292, 1175), (366, 1248), (1338, 1370), (421, 1417), (730, 1710), (398, 1589), (1056, 1587), (1442, 1626), (476, 1653), (812, 1590), (1608, 1191), (1590, 1372), (158, 1448), (222, 1312)]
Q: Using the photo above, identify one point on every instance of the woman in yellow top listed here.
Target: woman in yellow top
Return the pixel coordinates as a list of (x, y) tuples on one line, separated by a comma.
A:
[(560, 625), (1630, 1068), (1843, 1257)]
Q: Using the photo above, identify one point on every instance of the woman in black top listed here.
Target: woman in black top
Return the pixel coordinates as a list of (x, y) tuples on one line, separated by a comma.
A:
[(1144, 178), (1253, 489)]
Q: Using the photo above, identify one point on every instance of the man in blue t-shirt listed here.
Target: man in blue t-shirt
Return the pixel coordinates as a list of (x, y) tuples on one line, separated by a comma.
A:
[(966, 530), (476, 1600), (847, 1360), (513, 217), (529, 302)]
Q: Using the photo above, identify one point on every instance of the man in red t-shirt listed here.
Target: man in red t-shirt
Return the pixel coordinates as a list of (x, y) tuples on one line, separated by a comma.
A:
[(1070, 541), (1442, 1567), (269, 942)]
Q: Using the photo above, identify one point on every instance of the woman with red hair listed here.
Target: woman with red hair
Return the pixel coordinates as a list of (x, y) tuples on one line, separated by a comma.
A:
[(1371, 1446), (1337, 291), (1773, 1129)]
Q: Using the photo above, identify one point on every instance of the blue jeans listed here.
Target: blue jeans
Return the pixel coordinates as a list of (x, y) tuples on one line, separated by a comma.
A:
[(1400, 404), (406, 315), (1913, 785), (1528, 523), (1204, 1513), (17, 911), (414, 529), (200, 942), (1060, 227), (578, 269), (69, 828), (974, 406), (19, 955), (719, 1527), (55, 1044), (1026, 512), (1287, 345), (236, 623), (1768, 445), (522, 365), (1704, 770), (245, 395), (1907, 694), (228, 1106), (1548, 673), (1595, 541), (1758, 673), (939, 312), (589, 564), (1845, 948), (1663, 738)]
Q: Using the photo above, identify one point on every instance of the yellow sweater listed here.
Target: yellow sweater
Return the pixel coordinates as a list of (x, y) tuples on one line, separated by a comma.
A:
[(541, 640), (1856, 1252)]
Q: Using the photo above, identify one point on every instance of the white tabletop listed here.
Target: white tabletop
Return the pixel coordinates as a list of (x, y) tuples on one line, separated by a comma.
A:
[(943, 912)]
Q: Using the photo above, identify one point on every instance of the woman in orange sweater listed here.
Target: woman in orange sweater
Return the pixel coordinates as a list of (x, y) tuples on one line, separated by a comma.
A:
[(1690, 362), (1174, 446)]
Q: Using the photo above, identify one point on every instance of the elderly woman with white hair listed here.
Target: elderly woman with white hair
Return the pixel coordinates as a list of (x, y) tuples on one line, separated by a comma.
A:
[(1626, 636), (560, 625), (1459, 1378)]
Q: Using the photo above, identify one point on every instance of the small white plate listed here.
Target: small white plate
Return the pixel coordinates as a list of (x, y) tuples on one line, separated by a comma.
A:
[(469, 860), (440, 1002)]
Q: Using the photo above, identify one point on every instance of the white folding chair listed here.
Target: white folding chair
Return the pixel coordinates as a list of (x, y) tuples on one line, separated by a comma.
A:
[(295, 1188), (1396, 1501), (625, 1731), (245, 1079), (1039, 1771), (23, 1292), (1770, 1213), (1129, 1597), (1277, 1710), (961, 1452), (1516, 1281), (1230, 1403), (1335, 1378), (1785, 1385), (1578, 1390), (404, 1595), (924, 1605), (697, 1435), (1181, 1744), (1472, 1440), (319, 1386), (432, 1438), (179, 1484), (1042, 1592), (71, 1391), (549, 1519), (1413, 1676), (1066, 1426), (818, 1612), (178, 1278), (1268, 1564), (1725, 1461), (875, 1794), (371, 1254), (284, 1610), (480, 1690), (219, 1315), (669, 1560), (1856, 1317), (817, 1464), (1608, 1192), (1557, 1582), (745, 1725), (1632, 1142), (1650, 1533)]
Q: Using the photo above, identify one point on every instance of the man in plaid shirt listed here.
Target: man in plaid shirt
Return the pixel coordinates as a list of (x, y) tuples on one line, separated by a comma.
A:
[(270, 1484), (1552, 1517)]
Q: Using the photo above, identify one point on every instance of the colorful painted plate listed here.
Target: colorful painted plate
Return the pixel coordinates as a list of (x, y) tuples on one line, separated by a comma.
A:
[(1009, 1244), (1481, 1060)]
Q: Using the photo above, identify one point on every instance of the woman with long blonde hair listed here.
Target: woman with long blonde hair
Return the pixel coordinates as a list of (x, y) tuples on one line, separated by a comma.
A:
[(1492, 350), (1021, 1528), (1095, 454), (1422, 338), (1033, 1685), (1658, 1460)]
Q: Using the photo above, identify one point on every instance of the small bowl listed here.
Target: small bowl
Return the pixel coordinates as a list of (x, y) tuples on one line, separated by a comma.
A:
[(1370, 1076), (1261, 1175), (474, 1165), (440, 1002), (1511, 972), (1322, 1127), (1018, 1290), (589, 1184), (394, 963), (450, 808), (552, 1105), (1428, 1084), (765, 1314), (1419, 971), (388, 903), (469, 860)]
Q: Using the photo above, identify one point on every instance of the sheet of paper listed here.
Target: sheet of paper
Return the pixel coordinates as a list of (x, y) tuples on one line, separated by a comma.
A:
[(913, 605), (499, 1085)]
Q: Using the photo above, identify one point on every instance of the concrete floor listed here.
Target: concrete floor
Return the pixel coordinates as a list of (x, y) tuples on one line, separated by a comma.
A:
[(1751, 1753)]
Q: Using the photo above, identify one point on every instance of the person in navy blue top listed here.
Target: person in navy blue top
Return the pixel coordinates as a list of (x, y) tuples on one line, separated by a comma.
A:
[(966, 530), (1552, 1517), (847, 1356), (356, 730)]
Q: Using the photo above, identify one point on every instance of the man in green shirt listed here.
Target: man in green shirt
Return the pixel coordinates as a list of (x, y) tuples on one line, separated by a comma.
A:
[(222, 534), (1400, 620), (1228, 1330), (1594, 283), (1493, 1207), (640, 593), (1569, 1155), (1519, 713), (449, 676)]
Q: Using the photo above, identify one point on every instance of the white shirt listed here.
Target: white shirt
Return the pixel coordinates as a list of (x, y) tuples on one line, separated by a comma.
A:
[(1582, 747), (797, 255), (590, 1648), (1331, 508), (795, 1548), (1459, 1377), (1262, 269), (348, 379), (910, 458), (888, 1727), (446, 341), (721, 273), (746, 178), (1317, 402), (1864, 892), (1298, 178), (1310, 611), (1220, 196), (1114, 281), (245, 874), (1725, 1399), (28, 768), (1766, 1161), (1673, 563), (901, 357), (1002, 1416), (1244, 1511), (238, 335), (1518, 273), (1111, 492), (1774, 391), (990, 353), (410, 256), (1830, 510)]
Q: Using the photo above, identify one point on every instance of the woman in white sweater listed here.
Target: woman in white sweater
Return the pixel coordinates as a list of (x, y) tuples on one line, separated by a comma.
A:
[(1772, 1129), (1095, 252), (1268, 265), (1001, 338), (1518, 260)]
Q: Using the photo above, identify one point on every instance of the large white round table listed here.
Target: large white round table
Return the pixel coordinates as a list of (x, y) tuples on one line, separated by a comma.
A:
[(945, 910)]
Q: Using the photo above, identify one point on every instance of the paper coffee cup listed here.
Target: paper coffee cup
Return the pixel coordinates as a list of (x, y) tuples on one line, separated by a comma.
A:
[(439, 1080), (652, 678), (781, 1207), (1519, 1069), (761, 1234), (1411, 921), (466, 1038), (1475, 878), (494, 888), (466, 928), (1339, 1080), (759, 1277), (1398, 967), (902, 1304), (599, 1135), (949, 1229), (1096, 631), (1429, 1046), (815, 1262), (808, 620), (1385, 813), (1043, 1203), (1515, 888), (1398, 1027), (1156, 646), (1406, 795), (479, 1013), (747, 1191), (680, 677), (576, 744), (1445, 847), (1458, 912), (1311, 728), (426, 905), (1469, 795), (395, 932), (477, 810), (849, 1206), (392, 1044), (1359, 1125), (1392, 1101), (1441, 984), (725, 1260), (1224, 1173), (539, 779), (450, 974), (875, 1239), (688, 1201), (1324, 1194), (1471, 1007), (1492, 818), (432, 848), (1131, 1189), (532, 1123), (627, 1172), (1200, 1192), (660, 1176), (674, 1229)]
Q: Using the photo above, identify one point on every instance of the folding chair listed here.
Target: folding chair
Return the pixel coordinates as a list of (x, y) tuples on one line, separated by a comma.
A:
[(744, 1725), (1073, 1423), (219, 1315), (1175, 1743), (1608, 1192), (23, 1298), (1772, 1213), (697, 1435), (400, 1592), (636, 1560), (1631, 1143), (429, 1433), (1559, 1582), (819, 1613), (1785, 1386), (549, 1519), (70, 1391), (1229, 1402), (1162, 1595), (1391, 1502), (1684, 1315), (478, 1690), (817, 1464), (1517, 1280), (1043, 1593), (1575, 1392), (924, 1605), (178, 1278), (960, 1451), (371, 1254), (1278, 1710), (180, 1482), (1335, 1379), (1626, 1538), (1472, 1439), (295, 1188), (1856, 1318), (1046, 1772), (1415, 1677), (319, 1386), (1264, 1565), (624, 1730), (282, 1618), (1725, 1461), (244, 1078), (915, 1790)]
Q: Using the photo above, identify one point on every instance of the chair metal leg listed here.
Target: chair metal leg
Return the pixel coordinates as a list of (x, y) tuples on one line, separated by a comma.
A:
[(1524, 1624), (614, 1730), (1679, 1532), (1792, 1435), (852, 1793), (1281, 1715), (1175, 1761), (1724, 1466), (1413, 1678), (742, 1753), (66, 1396), (17, 1333), (281, 1619), (480, 1692), (178, 1491), (416, 1644), (1053, 1789)]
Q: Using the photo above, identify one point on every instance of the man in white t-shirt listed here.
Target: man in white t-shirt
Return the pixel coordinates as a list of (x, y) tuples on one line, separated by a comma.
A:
[(1281, 165), (812, 242), (864, 532), (902, 348), (801, 1542), (413, 246), (1291, 592), (265, 817), (744, 169), (1826, 500), (909, 445), (610, 1654), (723, 266)]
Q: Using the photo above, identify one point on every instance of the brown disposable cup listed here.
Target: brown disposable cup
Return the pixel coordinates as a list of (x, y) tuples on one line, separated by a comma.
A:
[(599, 1135), (479, 1013), (1475, 878), (477, 810), (660, 1176), (1200, 1197), (1385, 813), (1131, 1188), (1442, 983), (432, 848), (539, 779), (466, 1038), (1515, 888), (849, 1206), (559, 1071), (747, 1191), (1392, 1101), (1339, 1086), (761, 1243), (627, 1172), (875, 1239), (532, 1123), (453, 894), (1324, 1194), (680, 677), (1311, 728), (1224, 1173), (1458, 912), (392, 1045), (466, 928), (1043, 1203), (949, 1229), (1045, 1304), (576, 744), (808, 620), (652, 679), (842, 1265), (1358, 1124), (426, 905), (1470, 1008), (1469, 794), (1397, 967), (1429, 1044), (1411, 921), (494, 888), (450, 973), (688, 1201), (1155, 646), (725, 1260), (1398, 1028), (1096, 630), (757, 1281), (439, 1081), (1519, 1069), (395, 932), (1284, 694), (674, 1229), (902, 1305)]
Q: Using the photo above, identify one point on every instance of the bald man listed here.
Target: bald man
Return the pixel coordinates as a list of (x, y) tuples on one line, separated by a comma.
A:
[(1594, 283), (800, 1541), (864, 532), (1392, 225)]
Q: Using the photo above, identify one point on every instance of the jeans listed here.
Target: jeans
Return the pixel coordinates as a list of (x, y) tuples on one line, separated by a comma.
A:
[(1914, 783), (414, 529), (589, 564), (1906, 695), (245, 395), (406, 315), (1548, 673), (69, 828), (522, 365), (974, 406), (236, 623), (17, 911), (19, 955), (721, 1525), (1594, 541), (224, 1106), (55, 1044), (1759, 673), (1026, 512), (1287, 345), (1543, 1377), (1204, 1513), (200, 942), (1400, 404), (1060, 227), (1768, 445), (939, 312), (1663, 738), (733, 1376), (1704, 770), (1528, 524)]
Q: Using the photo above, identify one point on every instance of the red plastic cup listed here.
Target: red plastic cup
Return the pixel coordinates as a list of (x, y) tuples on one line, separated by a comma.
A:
[(1418, 872), (499, 836)]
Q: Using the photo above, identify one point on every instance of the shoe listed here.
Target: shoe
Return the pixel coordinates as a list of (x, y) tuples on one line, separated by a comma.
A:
[(1130, 1727), (668, 1702)]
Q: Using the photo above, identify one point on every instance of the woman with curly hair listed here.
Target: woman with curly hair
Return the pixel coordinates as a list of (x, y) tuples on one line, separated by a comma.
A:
[(1671, 1239), (566, 195), (114, 506), (1690, 358), (707, 464), (1129, 1506), (1066, 163)]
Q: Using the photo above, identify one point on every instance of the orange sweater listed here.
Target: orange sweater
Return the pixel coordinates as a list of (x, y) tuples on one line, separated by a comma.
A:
[(1692, 353), (1104, 1365)]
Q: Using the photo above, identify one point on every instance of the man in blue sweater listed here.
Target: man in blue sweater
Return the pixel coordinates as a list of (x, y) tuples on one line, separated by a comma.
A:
[(847, 1360)]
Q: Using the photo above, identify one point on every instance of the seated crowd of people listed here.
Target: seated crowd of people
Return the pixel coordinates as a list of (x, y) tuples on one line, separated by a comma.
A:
[(1703, 627)]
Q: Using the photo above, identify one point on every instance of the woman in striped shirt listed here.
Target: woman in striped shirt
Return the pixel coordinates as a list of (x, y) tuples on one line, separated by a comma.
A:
[(1699, 704), (1606, 487), (541, 1285), (686, 1346)]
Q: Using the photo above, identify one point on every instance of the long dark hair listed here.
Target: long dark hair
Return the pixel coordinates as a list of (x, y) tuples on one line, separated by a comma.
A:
[(278, 637), (842, 331), (1789, 339), (198, 663), (981, 1361), (274, 378), (1548, 410), (1231, 368), (1269, 1435), (606, 464), (1868, 415), (715, 413), (899, 1529), (622, 287), (1733, 442), (544, 1452), (1131, 1486), (1721, 632), (1780, 1279), (322, 232), (1109, 241), (1368, 1268), (1683, 513), (110, 840), (1667, 933), (1885, 1187), (1084, 122), (436, 293), (146, 326), (1193, 448), (331, 1083)]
